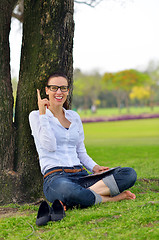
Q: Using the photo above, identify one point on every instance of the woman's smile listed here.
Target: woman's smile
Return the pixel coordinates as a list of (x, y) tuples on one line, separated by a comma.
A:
[(58, 98)]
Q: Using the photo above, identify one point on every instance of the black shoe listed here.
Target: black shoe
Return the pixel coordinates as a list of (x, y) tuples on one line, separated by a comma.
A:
[(57, 211), (43, 214)]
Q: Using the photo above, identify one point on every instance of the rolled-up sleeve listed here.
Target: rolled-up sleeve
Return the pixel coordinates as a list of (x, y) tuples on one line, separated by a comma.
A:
[(42, 131)]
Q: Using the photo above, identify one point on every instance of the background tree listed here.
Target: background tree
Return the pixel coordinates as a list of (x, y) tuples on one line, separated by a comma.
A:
[(123, 82), (153, 72), (142, 94), (85, 95), (87, 86), (110, 85)]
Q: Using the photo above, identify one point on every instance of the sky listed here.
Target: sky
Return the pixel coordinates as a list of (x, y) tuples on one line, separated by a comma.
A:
[(114, 36)]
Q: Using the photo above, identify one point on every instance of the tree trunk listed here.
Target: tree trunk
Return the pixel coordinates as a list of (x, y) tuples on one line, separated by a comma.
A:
[(127, 102), (46, 48), (117, 95), (152, 96), (7, 176)]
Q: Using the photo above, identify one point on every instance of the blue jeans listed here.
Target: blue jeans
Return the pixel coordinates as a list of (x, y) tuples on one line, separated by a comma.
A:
[(73, 188)]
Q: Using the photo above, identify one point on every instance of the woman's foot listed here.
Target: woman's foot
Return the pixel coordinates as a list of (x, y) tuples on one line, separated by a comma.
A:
[(126, 195)]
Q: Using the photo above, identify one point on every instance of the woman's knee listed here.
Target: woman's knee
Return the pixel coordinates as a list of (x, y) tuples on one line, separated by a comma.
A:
[(129, 174), (125, 178), (132, 175)]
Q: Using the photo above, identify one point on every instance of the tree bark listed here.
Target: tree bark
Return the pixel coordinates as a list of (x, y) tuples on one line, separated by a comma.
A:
[(46, 48), (7, 133)]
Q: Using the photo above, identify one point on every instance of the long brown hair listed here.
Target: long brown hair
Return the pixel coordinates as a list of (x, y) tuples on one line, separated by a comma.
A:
[(66, 104)]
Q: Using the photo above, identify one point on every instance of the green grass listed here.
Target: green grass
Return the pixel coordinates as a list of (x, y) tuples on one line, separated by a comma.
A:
[(107, 112), (133, 143), (123, 133), (127, 143)]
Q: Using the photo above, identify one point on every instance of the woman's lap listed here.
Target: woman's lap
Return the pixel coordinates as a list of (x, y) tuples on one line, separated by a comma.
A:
[(125, 178), (72, 188)]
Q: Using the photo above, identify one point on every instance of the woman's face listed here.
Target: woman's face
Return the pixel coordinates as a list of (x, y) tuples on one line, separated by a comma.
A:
[(58, 96)]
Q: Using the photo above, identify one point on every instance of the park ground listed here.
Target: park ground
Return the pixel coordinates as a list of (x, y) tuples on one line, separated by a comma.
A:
[(133, 143)]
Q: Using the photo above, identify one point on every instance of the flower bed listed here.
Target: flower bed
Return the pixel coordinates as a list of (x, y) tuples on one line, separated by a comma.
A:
[(120, 118)]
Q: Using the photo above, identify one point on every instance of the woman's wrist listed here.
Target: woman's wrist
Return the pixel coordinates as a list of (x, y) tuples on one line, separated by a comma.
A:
[(42, 112)]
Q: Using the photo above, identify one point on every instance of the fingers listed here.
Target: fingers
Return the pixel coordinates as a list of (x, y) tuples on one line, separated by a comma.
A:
[(42, 103), (38, 94), (102, 168), (106, 168), (46, 102)]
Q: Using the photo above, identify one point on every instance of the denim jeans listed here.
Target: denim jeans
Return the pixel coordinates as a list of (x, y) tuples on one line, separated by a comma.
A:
[(73, 188)]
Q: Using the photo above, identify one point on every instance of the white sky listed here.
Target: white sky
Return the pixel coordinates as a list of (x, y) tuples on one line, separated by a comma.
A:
[(110, 37)]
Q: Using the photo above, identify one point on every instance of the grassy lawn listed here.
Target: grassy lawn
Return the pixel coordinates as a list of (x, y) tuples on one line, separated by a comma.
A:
[(109, 112), (133, 143)]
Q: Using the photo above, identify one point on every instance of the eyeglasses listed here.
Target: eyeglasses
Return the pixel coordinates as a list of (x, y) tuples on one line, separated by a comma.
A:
[(54, 88)]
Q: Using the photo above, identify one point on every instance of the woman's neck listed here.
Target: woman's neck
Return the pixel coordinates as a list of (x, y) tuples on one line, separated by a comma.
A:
[(57, 111)]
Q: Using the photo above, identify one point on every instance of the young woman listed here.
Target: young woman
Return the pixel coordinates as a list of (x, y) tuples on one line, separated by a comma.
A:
[(59, 139)]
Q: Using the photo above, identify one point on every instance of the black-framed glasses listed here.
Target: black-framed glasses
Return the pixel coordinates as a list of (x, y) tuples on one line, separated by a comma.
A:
[(54, 88)]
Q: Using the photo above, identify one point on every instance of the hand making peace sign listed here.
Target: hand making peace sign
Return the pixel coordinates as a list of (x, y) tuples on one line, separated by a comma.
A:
[(42, 103)]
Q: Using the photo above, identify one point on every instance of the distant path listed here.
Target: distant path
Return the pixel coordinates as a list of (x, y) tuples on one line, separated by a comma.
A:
[(120, 118)]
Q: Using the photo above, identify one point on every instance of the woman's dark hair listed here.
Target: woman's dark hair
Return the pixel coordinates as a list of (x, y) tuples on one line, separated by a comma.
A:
[(66, 104), (57, 75)]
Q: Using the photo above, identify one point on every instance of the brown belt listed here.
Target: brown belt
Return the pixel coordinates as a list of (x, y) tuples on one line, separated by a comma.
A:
[(65, 170)]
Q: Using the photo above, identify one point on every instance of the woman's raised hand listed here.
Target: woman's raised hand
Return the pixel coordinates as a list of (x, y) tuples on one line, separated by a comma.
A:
[(42, 103)]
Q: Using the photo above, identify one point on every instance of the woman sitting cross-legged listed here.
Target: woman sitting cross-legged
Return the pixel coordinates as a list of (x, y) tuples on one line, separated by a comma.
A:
[(59, 139)]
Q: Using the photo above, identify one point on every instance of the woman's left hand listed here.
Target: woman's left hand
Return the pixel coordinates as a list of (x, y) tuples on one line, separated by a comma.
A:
[(98, 169)]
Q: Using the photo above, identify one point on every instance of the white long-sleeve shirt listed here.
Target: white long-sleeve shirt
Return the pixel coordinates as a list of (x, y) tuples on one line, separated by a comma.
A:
[(57, 146)]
